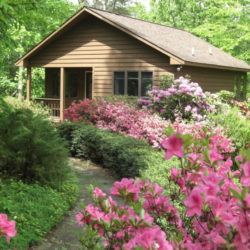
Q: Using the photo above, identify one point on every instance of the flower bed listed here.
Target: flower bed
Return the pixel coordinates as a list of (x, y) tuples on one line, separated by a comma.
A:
[(131, 121), (216, 205)]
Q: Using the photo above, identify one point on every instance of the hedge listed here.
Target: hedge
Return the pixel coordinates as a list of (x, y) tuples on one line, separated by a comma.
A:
[(126, 156)]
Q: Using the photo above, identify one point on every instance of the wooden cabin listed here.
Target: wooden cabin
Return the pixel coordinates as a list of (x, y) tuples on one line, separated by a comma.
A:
[(98, 53)]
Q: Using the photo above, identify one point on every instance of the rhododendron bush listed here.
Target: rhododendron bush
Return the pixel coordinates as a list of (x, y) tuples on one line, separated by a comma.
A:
[(7, 228), (215, 212), (183, 100)]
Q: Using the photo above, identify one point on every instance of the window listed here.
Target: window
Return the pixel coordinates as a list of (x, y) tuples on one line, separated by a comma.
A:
[(119, 83), (132, 83)]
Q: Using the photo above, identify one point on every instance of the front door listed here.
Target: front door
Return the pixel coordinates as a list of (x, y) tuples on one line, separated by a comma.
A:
[(88, 84)]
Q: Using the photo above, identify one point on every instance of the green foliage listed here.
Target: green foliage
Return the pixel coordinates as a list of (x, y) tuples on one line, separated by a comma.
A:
[(166, 81), (226, 96), (36, 108), (36, 209), (117, 6), (126, 156), (23, 23), (131, 100), (237, 128), (7, 86), (30, 147)]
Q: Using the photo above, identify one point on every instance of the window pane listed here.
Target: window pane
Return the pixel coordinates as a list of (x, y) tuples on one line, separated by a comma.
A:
[(132, 74), (119, 75), (133, 87), (119, 83), (146, 75), (146, 82)]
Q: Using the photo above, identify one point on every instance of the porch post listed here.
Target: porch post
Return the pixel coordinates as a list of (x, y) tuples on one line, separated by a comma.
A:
[(28, 84), (62, 93)]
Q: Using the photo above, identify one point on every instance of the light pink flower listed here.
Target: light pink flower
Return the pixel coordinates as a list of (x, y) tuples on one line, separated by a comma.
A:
[(174, 146)]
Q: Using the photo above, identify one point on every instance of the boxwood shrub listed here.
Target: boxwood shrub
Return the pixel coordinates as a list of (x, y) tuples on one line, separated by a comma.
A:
[(126, 156)]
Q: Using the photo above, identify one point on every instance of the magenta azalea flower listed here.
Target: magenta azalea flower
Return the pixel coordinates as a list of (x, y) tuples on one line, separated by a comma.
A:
[(245, 179), (7, 228), (173, 145), (194, 203)]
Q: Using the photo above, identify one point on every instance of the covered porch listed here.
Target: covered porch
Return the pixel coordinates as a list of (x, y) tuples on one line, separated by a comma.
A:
[(62, 87)]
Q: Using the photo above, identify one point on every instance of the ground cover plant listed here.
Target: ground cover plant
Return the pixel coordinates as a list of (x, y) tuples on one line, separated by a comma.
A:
[(36, 209), (216, 202)]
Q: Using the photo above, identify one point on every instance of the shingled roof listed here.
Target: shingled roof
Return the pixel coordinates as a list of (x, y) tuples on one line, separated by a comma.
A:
[(187, 48), (180, 43)]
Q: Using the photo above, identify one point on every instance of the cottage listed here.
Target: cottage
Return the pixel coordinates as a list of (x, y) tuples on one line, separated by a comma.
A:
[(98, 53)]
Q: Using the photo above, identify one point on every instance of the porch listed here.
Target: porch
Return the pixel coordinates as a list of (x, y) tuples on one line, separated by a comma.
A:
[(62, 87)]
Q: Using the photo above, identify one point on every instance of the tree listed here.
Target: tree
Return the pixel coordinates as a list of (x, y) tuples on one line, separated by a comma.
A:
[(23, 23), (116, 6)]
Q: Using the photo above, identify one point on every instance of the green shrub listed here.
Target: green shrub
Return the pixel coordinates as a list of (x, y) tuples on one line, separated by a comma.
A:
[(226, 96), (237, 128), (35, 208), (166, 81), (126, 156), (131, 100), (30, 147), (37, 108)]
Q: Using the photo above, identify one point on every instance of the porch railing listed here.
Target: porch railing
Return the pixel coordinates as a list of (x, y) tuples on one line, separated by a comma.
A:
[(53, 104)]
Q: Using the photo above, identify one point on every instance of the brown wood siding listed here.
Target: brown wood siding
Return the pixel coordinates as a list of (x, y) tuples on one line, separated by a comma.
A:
[(95, 44), (212, 80)]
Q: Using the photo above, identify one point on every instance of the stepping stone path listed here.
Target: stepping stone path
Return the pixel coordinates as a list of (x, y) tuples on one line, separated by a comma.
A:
[(65, 235)]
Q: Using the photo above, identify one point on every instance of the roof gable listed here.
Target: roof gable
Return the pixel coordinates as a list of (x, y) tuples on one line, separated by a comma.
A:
[(182, 46)]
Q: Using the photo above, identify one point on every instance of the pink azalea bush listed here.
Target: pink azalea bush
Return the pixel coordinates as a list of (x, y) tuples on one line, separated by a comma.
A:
[(121, 118), (215, 211), (131, 121), (7, 228), (183, 100)]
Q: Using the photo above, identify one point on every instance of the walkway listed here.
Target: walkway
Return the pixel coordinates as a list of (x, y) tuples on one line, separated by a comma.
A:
[(65, 236)]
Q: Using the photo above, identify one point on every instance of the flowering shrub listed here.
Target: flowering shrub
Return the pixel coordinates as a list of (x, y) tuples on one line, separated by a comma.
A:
[(121, 118), (216, 203), (128, 120), (182, 100), (7, 228)]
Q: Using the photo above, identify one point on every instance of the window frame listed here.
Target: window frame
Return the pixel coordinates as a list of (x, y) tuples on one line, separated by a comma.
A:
[(126, 80)]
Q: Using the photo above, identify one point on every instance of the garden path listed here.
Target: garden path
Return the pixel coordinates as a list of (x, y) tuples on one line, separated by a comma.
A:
[(65, 236)]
